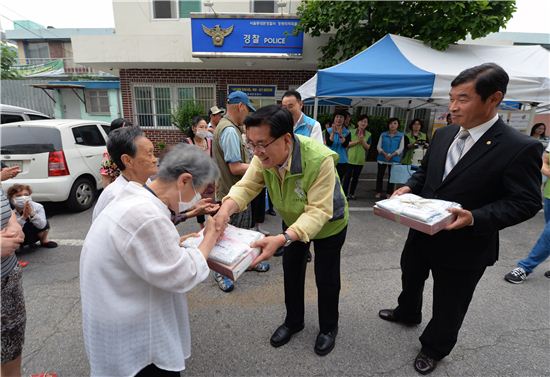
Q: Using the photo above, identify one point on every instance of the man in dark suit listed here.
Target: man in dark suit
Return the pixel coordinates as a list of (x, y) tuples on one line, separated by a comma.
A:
[(494, 172)]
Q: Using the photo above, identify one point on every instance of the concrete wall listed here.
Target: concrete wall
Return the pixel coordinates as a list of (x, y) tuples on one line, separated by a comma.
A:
[(143, 42), (62, 98)]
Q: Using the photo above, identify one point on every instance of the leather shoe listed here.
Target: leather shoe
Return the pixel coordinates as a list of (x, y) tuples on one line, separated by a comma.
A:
[(325, 342), (389, 315), (424, 364), (282, 335)]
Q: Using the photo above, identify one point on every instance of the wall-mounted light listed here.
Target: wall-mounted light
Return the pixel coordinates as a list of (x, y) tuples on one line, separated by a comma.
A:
[(281, 5), (210, 4)]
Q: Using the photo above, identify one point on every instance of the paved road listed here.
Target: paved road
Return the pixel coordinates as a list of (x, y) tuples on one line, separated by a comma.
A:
[(506, 332)]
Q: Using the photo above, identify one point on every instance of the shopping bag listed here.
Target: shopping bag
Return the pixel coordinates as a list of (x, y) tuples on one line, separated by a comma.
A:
[(400, 173)]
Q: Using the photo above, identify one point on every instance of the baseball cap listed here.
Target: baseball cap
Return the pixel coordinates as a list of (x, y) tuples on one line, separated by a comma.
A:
[(216, 110), (240, 97)]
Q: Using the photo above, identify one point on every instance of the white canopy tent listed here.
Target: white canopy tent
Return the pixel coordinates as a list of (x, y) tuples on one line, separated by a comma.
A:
[(404, 72)]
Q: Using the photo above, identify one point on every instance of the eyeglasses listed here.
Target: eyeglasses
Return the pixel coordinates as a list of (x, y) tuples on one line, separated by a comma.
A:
[(261, 147)]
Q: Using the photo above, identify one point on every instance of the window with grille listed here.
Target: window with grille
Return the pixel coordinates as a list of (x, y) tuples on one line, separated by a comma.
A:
[(97, 102), (154, 104)]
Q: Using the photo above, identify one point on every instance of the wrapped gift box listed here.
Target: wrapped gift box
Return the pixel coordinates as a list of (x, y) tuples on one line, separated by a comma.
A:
[(425, 215), (232, 254)]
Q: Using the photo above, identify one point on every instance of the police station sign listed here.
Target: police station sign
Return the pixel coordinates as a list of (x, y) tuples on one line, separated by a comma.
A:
[(243, 36)]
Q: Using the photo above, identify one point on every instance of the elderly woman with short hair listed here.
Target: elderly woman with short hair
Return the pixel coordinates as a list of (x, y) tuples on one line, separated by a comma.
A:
[(134, 274)]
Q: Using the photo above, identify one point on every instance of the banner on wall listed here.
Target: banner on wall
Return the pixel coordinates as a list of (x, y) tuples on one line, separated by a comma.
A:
[(51, 68), (243, 36), (254, 90)]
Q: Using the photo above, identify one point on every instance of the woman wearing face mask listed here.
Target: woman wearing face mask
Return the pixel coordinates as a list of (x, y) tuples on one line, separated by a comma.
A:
[(199, 137), (134, 274), (31, 216)]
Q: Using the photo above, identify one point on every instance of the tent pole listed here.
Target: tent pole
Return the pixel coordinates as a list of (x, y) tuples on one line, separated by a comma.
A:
[(315, 107), (532, 113)]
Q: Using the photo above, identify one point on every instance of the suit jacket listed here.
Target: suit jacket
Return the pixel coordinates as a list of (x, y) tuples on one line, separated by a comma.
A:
[(498, 180)]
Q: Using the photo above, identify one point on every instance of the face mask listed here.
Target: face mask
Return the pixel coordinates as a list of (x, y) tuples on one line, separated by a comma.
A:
[(185, 206), (19, 201), (202, 134)]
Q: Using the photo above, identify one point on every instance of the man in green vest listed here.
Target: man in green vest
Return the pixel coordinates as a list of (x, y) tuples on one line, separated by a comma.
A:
[(300, 175), (230, 155)]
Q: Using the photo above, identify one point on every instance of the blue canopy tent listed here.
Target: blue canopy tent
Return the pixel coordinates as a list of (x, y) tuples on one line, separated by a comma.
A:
[(405, 72)]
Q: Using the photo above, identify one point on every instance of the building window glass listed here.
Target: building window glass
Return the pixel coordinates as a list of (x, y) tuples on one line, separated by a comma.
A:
[(162, 106), (155, 104), (37, 53), (188, 6), (263, 6), (97, 102), (165, 9), (143, 98)]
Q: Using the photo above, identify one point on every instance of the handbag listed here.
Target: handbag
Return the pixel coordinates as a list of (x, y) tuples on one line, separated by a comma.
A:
[(401, 173)]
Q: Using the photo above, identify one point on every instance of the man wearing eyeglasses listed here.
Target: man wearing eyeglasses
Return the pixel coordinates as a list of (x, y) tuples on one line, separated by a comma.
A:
[(300, 174)]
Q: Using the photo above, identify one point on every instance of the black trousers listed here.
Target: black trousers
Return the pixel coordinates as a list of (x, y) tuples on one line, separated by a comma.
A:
[(342, 169), (327, 279), (452, 293), (31, 232), (152, 370), (258, 207), (352, 176), (380, 177)]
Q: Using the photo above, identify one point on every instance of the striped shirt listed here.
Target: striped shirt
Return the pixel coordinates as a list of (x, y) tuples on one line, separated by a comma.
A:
[(9, 262)]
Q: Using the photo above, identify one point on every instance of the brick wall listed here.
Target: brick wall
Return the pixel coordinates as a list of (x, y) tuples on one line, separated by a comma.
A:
[(220, 78), (165, 137)]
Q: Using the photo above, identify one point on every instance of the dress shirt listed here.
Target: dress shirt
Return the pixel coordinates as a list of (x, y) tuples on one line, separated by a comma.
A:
[(108, 194), (476, 133), (133, 279)]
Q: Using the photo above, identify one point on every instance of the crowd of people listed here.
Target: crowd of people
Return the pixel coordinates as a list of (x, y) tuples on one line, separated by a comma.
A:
[(135, 273)]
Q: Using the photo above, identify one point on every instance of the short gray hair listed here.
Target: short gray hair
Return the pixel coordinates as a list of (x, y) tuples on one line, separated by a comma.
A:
[(186, 158)]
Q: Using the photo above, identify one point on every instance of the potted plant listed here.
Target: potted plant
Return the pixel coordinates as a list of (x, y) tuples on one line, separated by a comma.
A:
[(184, 113)]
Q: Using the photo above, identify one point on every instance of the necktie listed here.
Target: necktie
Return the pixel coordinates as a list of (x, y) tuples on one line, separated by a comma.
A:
[(455, 151)]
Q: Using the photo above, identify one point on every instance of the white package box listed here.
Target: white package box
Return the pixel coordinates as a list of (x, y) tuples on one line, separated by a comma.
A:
[(232, 254)]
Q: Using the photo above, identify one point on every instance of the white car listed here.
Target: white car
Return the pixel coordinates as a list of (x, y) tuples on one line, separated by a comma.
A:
[(10, 114), (59, 158)]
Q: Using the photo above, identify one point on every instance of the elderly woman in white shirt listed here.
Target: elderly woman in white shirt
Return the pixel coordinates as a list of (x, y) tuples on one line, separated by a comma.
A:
[(134, 274)]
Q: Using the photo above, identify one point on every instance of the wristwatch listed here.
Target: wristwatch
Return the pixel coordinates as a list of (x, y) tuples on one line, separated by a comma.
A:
[(288, 240)]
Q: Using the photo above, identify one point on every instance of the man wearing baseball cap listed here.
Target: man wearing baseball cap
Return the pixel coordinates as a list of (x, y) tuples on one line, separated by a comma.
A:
[(215, 113), (230, 154)]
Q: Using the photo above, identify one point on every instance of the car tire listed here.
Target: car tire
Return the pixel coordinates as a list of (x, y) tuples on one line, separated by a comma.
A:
[(82, 196)]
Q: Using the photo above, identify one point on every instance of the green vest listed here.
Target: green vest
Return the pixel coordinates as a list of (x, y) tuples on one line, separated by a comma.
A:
[(547, 184), (407, 159), (226, 179), (356, 154), (290, 196)]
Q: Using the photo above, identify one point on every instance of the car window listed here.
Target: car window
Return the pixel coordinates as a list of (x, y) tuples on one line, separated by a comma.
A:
[(107, 129), (37, 117), (88, 135), (29, 140), (10, 118)]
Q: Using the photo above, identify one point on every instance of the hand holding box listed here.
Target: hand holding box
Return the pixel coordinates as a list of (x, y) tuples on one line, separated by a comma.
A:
[(425, 215), (232, 254)]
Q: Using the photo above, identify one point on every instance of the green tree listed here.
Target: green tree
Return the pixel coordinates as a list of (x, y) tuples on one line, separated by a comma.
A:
[(8, 59), (358, 24)]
